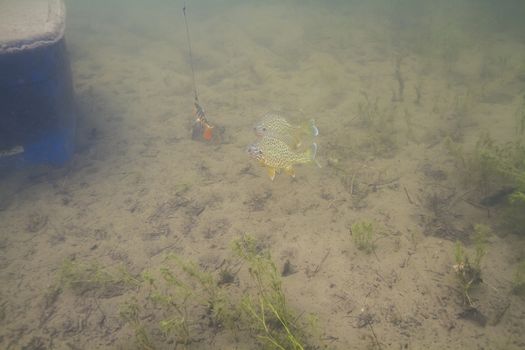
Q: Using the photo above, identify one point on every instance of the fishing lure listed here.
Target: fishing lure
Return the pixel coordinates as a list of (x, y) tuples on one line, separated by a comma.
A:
[(201, 129), (201, 126)]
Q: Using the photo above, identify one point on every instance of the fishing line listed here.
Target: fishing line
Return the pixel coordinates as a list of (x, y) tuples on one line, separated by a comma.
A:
[(191, 55), (201, 129)]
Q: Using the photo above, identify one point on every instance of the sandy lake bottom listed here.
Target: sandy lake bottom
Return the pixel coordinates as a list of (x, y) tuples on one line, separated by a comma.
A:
[(385, 98)]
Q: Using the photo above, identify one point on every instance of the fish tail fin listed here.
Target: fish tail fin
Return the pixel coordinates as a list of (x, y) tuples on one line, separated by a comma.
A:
[(313, 151), (311, 154), (313, 128), (310, 128)]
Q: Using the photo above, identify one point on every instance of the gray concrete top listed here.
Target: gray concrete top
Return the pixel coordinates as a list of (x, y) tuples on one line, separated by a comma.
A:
[(27, 24)]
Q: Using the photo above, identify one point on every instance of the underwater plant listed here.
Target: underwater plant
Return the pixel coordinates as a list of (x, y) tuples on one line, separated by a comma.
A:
[(266, 311), (363, 234), (183, 298), (380, 126), (188, 295), (481, 233), (82, 277), (513, 216), (177, 301), (518, 284), (466, 273), (461, 111), (130, 313), (497, 172), (486, 164), (520, 117), (467, 269), (518, 195), (399, 95)]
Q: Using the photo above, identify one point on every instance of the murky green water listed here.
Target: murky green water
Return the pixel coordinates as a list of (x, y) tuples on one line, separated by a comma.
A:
[(407, 237)]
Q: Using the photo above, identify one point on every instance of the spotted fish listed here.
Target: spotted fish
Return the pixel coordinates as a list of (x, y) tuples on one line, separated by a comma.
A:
[(275, 155), (272, 124)]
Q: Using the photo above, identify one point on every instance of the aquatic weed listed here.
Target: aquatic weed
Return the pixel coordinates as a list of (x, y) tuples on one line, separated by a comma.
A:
[(489, 165), (518, 284), (130, 312), (90, 277), (520, 117), (363, 235), (380, 126), (497, 172), (181, 299), (467, 269), (266, 311), (183, 296)]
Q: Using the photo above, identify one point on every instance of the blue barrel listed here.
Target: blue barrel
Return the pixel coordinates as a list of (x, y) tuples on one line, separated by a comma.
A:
[(37, 109)]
